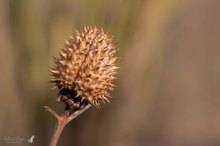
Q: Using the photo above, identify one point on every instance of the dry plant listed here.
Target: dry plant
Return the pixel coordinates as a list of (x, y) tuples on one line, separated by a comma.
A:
[(83, 74)]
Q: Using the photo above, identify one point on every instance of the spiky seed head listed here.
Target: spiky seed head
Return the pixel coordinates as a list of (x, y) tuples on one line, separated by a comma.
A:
[(86, 66)]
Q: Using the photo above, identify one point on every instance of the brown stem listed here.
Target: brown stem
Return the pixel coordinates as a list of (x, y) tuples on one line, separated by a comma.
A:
[(62, 121), (77, 113)]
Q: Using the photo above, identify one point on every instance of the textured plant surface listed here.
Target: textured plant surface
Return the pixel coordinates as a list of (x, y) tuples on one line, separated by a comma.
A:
[(83, 73), (85, 69)]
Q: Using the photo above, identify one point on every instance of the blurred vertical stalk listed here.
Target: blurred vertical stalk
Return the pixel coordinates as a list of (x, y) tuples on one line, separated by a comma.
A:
[(13, 116)]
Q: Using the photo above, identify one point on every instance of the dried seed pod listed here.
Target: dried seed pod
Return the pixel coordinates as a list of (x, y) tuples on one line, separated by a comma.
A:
[(85, 68)]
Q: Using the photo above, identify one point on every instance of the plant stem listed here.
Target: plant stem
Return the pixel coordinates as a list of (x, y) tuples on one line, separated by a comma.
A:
[(57, 132), (62, 121)]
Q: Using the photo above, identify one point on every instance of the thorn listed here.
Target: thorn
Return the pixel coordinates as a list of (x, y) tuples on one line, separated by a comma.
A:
[(77, 33), (54, 58), (54, 71), (112, 60), (70, 50), (63, 54), (63, 50), (54, 81), (79, 93), (58, 99), (112, 78), (55, 87), (85, 29), (115, 67), (110, 85), (104, 97), (62, 62), (108, 96), (67, 42)]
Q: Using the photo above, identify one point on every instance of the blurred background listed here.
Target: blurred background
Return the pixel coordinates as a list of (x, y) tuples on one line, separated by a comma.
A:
[(167, 88)]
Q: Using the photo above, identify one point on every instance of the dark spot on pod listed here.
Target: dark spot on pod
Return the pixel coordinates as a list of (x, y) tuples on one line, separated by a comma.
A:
[(67, 92), (68, 96)]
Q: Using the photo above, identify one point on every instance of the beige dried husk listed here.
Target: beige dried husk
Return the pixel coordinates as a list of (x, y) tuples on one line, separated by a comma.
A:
[(87, 65)]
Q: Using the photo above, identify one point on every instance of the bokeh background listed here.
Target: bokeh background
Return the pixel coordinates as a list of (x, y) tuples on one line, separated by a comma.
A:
[(168, 87)]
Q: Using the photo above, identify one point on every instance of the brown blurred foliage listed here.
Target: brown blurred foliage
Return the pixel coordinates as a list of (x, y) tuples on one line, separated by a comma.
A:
[(168, 84)]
